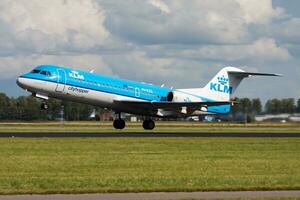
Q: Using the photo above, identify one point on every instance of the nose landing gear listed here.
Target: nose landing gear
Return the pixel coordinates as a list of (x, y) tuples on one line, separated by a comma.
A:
[(44, 106)]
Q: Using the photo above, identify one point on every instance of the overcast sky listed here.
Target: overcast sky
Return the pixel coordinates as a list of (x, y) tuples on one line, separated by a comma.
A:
[(179, 43)]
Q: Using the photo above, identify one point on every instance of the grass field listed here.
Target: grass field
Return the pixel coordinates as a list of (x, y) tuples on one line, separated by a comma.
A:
[(190, 127), (83, 165)]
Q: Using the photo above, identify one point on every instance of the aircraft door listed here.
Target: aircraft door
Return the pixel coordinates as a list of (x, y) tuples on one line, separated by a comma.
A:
[(61, 80), (137, 92)]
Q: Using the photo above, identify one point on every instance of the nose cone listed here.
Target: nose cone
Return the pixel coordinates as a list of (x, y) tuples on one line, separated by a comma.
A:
[(21, 82)]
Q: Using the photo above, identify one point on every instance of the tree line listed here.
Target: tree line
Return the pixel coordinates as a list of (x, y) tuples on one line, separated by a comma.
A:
[(272, 106), (28, 108)]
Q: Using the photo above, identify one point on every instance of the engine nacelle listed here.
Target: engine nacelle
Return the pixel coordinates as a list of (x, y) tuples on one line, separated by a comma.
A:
[(182, 97), (175, 96)]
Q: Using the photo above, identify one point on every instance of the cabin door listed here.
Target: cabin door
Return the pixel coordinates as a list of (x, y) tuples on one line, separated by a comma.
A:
[(137, 92), (61, 80)]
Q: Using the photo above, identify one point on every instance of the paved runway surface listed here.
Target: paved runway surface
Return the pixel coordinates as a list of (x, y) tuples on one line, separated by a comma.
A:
[(159, 196), (145, 134)]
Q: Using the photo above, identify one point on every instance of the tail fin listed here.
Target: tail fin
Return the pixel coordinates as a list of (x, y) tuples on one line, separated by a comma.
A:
[(224, 84)]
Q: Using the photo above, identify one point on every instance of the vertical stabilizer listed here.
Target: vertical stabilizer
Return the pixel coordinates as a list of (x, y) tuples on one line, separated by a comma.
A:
[(223, 84)]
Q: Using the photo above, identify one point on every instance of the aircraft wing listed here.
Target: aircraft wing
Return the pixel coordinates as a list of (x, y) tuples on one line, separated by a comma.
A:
[(174, 105)]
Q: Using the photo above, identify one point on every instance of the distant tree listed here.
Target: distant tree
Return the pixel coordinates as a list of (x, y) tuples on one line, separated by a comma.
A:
[(77, 111), (287, 105), (55, 107), (236, 108), (28, 108), (246, 105), (256, 106), (4, 105), (273, 106), (12, 109), (298, 106), (242, 109), (247, 109)]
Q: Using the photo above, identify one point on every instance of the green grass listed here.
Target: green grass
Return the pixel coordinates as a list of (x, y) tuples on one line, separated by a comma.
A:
[(191, 127), (253, 198), (261, 198), (83, 165)]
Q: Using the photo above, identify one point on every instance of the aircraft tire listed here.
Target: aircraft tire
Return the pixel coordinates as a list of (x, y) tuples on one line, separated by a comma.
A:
[(119, 124), (148, 124), (122, 124)]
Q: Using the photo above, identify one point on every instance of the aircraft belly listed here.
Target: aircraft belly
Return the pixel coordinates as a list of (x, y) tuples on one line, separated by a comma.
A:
[(97, 98), (72, 93), (103, 99)]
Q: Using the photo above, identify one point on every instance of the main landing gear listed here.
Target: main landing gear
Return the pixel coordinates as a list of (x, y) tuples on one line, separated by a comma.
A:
[(119, 123), (148, 124)]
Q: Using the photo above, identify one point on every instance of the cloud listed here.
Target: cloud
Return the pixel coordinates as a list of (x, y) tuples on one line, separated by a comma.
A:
[(264, 49), (51, 26), (288, 31), (190, 22), (160, 5), (259, 12), (173, 72), (179, 43), (13, 66)]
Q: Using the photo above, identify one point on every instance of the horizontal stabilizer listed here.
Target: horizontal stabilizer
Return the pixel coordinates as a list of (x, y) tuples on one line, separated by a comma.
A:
[(247, 74)]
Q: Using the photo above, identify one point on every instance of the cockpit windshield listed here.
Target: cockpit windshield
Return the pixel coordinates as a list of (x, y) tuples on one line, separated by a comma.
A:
[(35, 71), (43, 72)]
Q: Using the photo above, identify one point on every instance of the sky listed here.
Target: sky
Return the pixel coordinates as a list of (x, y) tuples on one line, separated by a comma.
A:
[(179, 43)]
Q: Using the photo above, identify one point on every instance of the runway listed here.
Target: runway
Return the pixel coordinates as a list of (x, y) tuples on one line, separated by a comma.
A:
[(158, 195), (144, 134)]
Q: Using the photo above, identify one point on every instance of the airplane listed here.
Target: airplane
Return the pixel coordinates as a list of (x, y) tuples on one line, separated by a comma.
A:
[(138, 98)]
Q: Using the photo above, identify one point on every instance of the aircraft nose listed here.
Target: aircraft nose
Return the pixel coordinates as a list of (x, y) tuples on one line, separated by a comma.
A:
[(21, 82)]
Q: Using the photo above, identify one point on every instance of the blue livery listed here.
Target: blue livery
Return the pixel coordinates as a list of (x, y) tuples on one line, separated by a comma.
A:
[(125, 96)]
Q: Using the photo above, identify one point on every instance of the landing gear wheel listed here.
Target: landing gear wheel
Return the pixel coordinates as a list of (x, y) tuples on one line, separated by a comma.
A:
[(44, 106), (119, 124), (148, 124)]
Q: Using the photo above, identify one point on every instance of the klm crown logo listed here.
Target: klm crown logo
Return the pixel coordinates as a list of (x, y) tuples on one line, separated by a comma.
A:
[(221, 86), (222, 80)]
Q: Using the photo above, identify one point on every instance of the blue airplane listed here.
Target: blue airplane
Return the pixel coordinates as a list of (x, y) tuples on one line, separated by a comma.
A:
[(125, 96)]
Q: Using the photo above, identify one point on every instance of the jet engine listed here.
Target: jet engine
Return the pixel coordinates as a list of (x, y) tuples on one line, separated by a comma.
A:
[(175, 96)]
